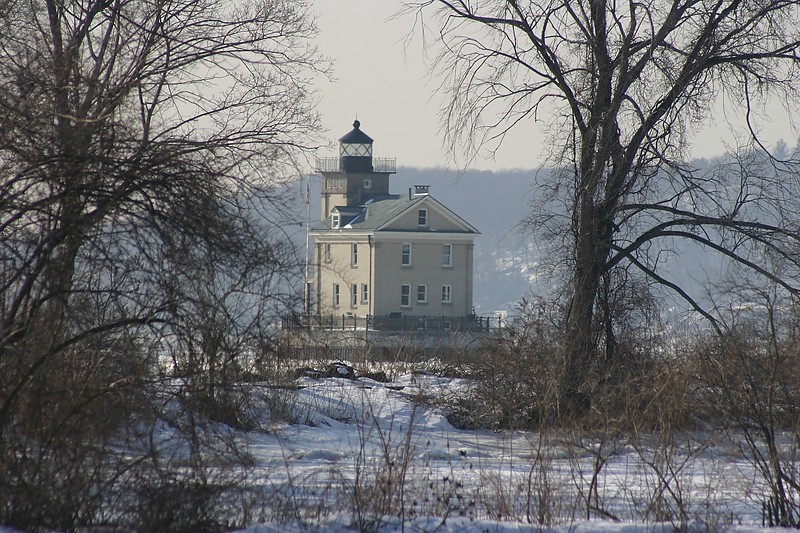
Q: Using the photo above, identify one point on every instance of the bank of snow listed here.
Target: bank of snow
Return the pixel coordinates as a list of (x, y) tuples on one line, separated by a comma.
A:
[(379, 456)]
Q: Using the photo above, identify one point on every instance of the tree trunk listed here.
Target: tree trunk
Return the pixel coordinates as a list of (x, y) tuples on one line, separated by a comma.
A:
[(580, 345)]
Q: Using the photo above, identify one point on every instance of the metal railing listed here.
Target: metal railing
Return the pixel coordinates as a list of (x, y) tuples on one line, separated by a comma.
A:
[(394, 322), (336, 164)]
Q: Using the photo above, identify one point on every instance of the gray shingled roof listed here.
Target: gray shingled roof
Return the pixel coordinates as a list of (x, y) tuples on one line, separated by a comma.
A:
[(377, 212), (349, 210)]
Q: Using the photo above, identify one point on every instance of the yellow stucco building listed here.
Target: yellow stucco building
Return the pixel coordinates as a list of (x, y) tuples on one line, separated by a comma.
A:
[(397, 261)]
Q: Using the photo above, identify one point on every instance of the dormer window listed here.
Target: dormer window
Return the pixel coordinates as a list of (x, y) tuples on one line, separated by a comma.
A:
[(422, 218), (336, 220)]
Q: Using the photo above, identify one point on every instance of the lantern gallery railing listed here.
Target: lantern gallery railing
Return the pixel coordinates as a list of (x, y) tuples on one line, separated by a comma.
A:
[(337, 164)]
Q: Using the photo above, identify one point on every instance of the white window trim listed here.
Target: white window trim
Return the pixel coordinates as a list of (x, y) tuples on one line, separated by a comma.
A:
[(420, 214), (410, 254), (449, 264), (326, 252), (354, 254), (336, 220), (449, 292), (424, 288), (407, 294), (354, 295), (364, 293)]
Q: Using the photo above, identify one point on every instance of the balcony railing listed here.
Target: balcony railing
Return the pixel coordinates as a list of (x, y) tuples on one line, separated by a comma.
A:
[(394, 322), (336, 164)]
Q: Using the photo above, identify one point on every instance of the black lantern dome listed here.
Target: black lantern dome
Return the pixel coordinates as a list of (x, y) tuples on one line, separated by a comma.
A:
[(355, 150)]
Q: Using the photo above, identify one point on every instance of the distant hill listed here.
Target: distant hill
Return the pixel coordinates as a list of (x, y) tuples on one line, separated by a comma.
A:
[(508, 257)]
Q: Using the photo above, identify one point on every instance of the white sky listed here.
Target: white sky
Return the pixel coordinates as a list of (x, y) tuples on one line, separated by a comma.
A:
[(387, 87), (378, 81)]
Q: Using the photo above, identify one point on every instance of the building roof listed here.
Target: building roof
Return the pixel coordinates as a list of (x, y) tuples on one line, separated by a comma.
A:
[(348, 210), (376, 214), (356, 136)]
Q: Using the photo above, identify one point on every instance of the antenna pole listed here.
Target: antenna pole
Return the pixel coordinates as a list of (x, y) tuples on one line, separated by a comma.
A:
[(307, 282)]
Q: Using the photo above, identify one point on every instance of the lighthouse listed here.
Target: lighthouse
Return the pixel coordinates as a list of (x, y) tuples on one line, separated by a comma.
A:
[(355, 176)]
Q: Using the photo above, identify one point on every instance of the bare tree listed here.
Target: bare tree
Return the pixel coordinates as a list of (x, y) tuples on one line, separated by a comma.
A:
[(623, 84), (749, 377), (127, 126)]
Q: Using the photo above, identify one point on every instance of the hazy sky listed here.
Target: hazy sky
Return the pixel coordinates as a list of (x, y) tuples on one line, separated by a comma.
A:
[(385, 83), (380, 82)]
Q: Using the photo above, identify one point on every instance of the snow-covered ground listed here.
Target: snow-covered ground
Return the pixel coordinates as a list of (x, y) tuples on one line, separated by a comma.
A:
[(339, 454), (381, 457)]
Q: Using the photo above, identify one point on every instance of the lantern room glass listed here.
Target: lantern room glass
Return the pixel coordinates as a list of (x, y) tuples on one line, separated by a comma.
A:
[(355, 149)]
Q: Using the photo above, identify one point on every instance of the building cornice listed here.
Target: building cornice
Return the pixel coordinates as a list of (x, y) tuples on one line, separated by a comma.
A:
[(345, 235)]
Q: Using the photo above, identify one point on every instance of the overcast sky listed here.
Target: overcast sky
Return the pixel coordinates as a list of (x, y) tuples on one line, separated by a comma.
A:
[(385, 84)]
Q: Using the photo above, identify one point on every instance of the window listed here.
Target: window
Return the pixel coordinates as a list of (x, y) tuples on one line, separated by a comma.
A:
[(422, 217), (405, 295), (406, 255), (447, 294), (354, 254), (335, 220), (422, 294), (354, 295), (336, 295), (327, 252), (364, 293), (447, 255)]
